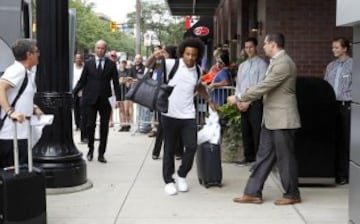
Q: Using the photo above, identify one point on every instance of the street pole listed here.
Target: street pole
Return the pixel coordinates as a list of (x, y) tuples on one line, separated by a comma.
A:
[(55, 152), (138, 28)]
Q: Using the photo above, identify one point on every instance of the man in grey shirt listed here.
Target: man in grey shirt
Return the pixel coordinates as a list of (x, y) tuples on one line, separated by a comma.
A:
[(250, 72), (339, 75)]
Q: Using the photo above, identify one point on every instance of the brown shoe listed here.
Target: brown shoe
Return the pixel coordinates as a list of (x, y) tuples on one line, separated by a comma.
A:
[(248, 199), (152, 134), (287, 201)]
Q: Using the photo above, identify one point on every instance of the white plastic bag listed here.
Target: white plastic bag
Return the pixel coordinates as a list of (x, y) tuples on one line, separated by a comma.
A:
[(211, 130), (37, 126)]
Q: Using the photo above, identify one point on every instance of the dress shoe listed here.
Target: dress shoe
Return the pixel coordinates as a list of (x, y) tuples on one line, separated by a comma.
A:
[(342, 180), (155, 157), (122, 129), (152, 134), (287, 201), (248, 199), (89, 156), (101, 159), (243, 162)]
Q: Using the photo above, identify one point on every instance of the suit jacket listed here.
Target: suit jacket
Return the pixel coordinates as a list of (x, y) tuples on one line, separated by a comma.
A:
[(279, 94), (95, 85)]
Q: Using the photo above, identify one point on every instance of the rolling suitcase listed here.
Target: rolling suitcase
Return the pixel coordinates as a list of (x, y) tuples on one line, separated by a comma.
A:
[(22, 191), (208, 160)]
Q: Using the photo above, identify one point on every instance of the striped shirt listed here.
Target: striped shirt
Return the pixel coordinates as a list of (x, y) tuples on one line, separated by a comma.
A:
[(250, 73), (339, 75)]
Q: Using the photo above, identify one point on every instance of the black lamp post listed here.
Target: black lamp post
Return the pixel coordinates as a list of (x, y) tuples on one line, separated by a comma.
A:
[(55, 152)]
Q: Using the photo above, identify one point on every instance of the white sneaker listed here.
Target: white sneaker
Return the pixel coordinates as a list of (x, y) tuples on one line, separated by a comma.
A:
[(170, 189), (181, 184)]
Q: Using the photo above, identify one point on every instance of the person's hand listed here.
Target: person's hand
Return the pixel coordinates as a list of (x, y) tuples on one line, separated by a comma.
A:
[(127, 79), (243, 106), (38, 112), (212, 105), (231, 100), (159, 54), (211, 87), (17, 116)]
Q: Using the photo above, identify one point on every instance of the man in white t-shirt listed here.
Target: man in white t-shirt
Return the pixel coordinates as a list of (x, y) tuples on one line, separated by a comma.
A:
[(180, 120), (78, 67), (26, 55)]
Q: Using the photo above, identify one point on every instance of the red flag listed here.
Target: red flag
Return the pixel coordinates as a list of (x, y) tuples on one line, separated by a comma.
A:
[(187, 22)]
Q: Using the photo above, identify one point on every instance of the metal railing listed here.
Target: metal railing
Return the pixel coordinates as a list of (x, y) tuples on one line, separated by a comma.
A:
[(218, 96)]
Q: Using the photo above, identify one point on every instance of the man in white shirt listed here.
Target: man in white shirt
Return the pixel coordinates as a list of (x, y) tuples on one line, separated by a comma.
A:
[(180, 120), (250, 73), (78, 67), (26, 55)]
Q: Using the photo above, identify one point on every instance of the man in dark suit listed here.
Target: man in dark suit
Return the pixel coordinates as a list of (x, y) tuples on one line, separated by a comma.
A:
[(95, 84), (280, 120)]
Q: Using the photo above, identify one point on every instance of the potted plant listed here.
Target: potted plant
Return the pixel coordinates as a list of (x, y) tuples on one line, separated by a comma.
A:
[(231, 141)]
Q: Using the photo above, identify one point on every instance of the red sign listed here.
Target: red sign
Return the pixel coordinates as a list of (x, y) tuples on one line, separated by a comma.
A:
[(201, 31)]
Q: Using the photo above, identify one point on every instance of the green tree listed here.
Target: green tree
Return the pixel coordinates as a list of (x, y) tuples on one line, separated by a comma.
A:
[(90, 28), (156, 17)]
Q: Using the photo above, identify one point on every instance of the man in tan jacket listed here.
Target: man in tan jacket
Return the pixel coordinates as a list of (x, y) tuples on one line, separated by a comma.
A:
[(280, 120)]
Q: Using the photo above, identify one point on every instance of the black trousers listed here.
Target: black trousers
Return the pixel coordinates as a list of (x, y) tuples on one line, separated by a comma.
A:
[(342, 141), (275, 146), (159, 140), (83, 119), (102, 106), (250, 128), (7, 152), (77, 112), (173, 128)]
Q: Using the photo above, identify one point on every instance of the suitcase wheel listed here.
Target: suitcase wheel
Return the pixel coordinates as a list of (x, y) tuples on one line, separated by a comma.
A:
[(200, 181)]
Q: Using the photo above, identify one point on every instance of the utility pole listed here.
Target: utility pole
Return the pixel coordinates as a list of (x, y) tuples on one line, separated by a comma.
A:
[(138, 24), (56, 152)]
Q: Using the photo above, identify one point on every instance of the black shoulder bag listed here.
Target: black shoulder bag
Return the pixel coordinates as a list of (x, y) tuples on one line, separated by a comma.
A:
[(21, 90), (151, 93)]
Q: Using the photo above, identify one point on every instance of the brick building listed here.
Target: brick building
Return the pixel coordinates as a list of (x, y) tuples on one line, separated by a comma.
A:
[(308, 25)]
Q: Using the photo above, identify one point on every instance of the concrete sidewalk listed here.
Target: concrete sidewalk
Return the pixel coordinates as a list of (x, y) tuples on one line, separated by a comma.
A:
[(129, 190)]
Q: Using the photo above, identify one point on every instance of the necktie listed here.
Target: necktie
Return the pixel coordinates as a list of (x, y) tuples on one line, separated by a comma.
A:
[(99, 66)]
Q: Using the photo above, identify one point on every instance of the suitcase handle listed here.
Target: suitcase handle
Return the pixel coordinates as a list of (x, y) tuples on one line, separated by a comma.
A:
[(16, 147)]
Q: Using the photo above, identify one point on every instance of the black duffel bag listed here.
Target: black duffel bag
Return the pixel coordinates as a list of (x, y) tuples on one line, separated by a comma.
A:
[(151, 93)]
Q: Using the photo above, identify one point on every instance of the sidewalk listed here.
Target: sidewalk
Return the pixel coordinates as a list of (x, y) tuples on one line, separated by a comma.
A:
[(129, 190)]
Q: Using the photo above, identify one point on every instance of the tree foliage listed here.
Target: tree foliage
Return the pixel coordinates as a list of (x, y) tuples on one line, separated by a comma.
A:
[(90, 28), (156, 17)]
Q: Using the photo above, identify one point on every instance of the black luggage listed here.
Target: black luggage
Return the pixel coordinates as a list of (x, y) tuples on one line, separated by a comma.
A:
[(22, 192), (208, 159)]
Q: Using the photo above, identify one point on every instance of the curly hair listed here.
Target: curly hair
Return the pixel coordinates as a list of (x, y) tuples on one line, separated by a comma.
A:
[(193, 43)]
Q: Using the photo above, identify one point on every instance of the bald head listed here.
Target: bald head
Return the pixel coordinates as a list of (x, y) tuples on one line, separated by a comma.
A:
[(100, 48), (138, 59)]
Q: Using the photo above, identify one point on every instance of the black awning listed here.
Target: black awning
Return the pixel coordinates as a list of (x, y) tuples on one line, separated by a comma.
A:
[(204, 29), (193, 7)]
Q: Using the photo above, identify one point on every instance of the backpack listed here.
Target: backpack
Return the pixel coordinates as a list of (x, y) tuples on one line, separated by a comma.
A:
[(175, 68)]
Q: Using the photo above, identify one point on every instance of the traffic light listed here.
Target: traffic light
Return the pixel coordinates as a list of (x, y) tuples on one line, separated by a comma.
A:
[(113, 26)]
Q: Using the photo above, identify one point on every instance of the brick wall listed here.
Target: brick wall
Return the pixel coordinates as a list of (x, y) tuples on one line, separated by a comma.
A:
[(308, 26)]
